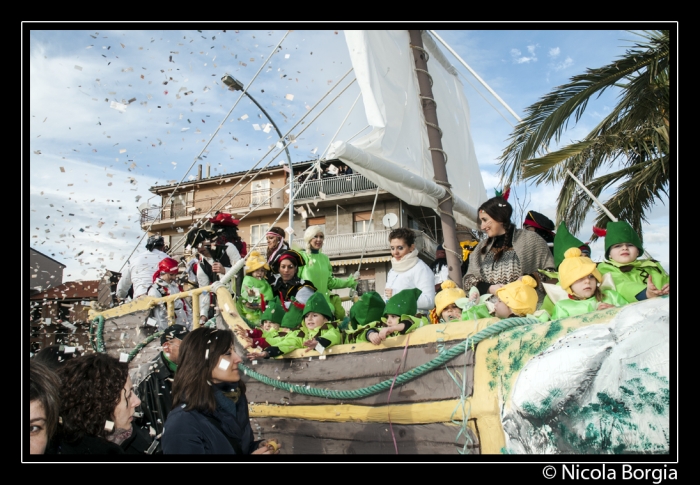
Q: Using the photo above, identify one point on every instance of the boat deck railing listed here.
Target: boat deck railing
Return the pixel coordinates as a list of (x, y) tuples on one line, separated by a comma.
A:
[(334, 185)]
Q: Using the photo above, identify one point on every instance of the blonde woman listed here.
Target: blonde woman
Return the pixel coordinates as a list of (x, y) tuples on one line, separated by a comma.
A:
[(317, 267)]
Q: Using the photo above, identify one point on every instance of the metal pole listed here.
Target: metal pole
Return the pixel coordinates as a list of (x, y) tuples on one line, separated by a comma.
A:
[(449, 232), (289, 160), (599, 203)]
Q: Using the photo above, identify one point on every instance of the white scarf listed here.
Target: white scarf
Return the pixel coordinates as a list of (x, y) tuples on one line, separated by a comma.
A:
[(406, 263)]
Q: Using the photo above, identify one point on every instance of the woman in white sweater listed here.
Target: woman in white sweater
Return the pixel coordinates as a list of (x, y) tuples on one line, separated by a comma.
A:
[(408, 270)]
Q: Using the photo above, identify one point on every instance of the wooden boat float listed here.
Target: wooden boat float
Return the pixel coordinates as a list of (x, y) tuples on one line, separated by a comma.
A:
[(596, 383)]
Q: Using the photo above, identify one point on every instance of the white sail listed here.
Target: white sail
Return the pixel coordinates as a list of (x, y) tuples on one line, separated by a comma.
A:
[(395, 154)]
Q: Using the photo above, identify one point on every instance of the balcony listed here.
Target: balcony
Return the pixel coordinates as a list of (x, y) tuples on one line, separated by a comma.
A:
[(241, 203), (344, 245), (334, 185)]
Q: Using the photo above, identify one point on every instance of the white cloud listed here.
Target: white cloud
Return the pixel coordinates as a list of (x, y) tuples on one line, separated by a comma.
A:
[(563, 65), (518, 58), (554, 52)]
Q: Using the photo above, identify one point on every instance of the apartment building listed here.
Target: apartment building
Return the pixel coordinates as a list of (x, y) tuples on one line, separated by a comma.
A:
[(342, 204)]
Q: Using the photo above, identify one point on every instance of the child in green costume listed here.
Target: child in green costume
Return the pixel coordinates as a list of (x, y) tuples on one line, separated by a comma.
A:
[(365, 313), (399, 317), (635, 279), (255, 288), (269, 333), (317, 330), (580, 278)]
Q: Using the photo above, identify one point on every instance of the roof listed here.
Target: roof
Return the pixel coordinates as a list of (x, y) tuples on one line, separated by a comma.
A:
[(228, 175), (48, 257), (72, 290)]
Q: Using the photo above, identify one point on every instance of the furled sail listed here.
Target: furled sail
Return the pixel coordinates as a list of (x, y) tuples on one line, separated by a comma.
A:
[(395, 154)]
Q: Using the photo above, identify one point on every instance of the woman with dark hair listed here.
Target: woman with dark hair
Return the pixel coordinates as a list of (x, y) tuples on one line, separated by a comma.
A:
[(44, 405), (287, 283), (54, 356), (408, 270), (275, 247), (98, 402), (507, 254), (542, 225), (210, 410)]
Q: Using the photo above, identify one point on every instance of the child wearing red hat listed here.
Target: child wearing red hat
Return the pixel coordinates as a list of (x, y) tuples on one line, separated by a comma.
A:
[(163, 285)]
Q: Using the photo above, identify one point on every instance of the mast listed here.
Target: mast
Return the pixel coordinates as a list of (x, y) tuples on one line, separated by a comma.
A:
[(449, 233)]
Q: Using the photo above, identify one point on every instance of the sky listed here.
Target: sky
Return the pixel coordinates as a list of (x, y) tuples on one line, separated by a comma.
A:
[(111, 113)]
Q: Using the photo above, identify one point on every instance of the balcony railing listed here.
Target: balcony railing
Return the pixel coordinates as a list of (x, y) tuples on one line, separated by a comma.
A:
[(333, 185), (244, 200), (343, 244)]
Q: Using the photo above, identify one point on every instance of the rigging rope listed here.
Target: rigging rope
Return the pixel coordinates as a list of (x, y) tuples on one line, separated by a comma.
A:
[(285, 144), (450, 354), (204, 148)]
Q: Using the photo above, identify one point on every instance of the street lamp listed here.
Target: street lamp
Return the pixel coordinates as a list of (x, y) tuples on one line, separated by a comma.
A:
[(235, 85)]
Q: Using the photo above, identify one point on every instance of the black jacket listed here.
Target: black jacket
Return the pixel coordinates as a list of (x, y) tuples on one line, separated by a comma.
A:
[(137, 444), (154, 383), (226, 431)]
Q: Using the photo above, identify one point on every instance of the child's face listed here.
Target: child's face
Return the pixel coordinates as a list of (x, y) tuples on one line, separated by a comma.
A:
[(259, 273), (392, 319), (314, 320), (451, 312), (501, 309), (624, 253), (268, 325), (167, 277), (585, 287)]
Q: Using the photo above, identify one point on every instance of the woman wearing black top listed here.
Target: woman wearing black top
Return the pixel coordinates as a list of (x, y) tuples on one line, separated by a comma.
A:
[(287, 284)]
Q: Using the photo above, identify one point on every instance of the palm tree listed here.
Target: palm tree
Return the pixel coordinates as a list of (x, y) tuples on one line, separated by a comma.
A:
[(633, 138)]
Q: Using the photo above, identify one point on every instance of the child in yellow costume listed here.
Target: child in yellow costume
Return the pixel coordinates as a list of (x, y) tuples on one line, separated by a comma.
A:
[(255, 288), (580, 278)]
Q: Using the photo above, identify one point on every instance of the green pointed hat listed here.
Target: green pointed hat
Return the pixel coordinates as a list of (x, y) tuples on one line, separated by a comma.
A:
[(621, 232), (317, 303), (564, 240), (405, 302), (369, 308), (273, 311), (292, 317)]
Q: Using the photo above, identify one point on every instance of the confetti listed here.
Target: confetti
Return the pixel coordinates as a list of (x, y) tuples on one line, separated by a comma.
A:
[(290, 97)]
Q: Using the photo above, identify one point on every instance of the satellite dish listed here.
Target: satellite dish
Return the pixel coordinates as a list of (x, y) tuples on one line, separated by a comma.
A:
[(390, 220)]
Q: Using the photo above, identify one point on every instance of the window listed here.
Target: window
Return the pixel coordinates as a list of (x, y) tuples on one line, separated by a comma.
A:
[(317, 221), (361, 222), (260, 193), (176, 244), (258, 232)]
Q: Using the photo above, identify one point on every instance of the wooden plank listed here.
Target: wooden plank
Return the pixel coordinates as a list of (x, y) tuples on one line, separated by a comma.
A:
[(434, 385), (122, 334), (379, 363), (309, 437)]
